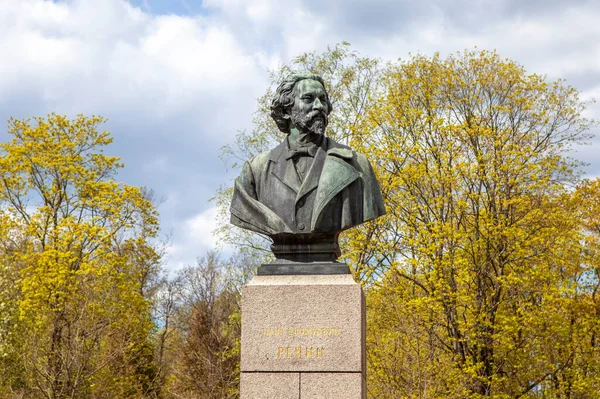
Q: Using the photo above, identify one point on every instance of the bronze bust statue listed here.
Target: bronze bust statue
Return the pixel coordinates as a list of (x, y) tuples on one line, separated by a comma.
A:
[(309, 188)]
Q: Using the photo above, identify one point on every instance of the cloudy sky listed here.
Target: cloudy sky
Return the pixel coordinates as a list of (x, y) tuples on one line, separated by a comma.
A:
[(178, 78)]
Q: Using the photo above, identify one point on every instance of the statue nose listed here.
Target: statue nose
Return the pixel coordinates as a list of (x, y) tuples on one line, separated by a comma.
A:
[(317, 104)]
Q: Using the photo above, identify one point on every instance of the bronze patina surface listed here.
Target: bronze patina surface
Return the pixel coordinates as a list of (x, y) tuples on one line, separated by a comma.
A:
[(309, 188)]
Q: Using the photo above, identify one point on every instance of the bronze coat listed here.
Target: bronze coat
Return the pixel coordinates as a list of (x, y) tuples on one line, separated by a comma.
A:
[(340, 191)]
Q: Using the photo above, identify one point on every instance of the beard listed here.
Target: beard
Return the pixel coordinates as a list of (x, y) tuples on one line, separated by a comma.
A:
[(313, 122)]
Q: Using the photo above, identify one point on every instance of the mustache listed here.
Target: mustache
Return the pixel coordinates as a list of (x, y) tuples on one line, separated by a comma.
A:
[(313, 114), (313, 121), (316, 117)]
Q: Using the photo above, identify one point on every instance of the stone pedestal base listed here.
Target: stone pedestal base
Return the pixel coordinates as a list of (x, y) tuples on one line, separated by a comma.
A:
[(302, 385), (303, 336)]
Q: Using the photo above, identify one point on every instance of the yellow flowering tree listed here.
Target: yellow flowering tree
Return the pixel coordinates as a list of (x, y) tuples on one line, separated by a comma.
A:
[(77, 245), (477, 285)]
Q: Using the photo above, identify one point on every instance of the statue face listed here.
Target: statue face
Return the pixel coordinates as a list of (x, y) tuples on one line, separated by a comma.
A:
[(309, 112)]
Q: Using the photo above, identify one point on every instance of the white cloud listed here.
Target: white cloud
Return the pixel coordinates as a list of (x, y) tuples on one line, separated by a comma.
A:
[(555, 43), (287, 28), (111, 58), (195, 237), (199, 229)]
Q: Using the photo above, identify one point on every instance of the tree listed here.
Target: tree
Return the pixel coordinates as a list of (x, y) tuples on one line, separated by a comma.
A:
[(76, 243), (201, 328), (479, 242)]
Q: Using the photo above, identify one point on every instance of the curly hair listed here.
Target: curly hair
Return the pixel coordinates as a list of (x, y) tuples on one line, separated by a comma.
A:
[(284, 98)]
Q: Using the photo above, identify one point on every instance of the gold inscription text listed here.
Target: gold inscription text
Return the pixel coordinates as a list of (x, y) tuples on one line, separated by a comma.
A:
[(301, 331), (300, 352)]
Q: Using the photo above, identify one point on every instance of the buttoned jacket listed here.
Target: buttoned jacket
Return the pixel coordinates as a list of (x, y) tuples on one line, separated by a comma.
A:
[(339, 191)]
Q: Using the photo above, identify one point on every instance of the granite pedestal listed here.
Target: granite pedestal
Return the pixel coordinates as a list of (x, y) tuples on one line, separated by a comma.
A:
[(303, 336)]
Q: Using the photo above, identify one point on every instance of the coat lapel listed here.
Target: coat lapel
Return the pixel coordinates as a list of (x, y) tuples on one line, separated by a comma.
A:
[(282, 169), (336, 175)]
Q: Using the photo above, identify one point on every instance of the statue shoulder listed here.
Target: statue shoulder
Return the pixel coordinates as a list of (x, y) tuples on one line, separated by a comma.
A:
[(363, 161), (343, 151), (340, 150), (259, 161)]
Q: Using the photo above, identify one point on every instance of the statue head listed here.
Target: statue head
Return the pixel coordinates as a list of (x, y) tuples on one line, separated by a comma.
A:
[(301, 100)]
